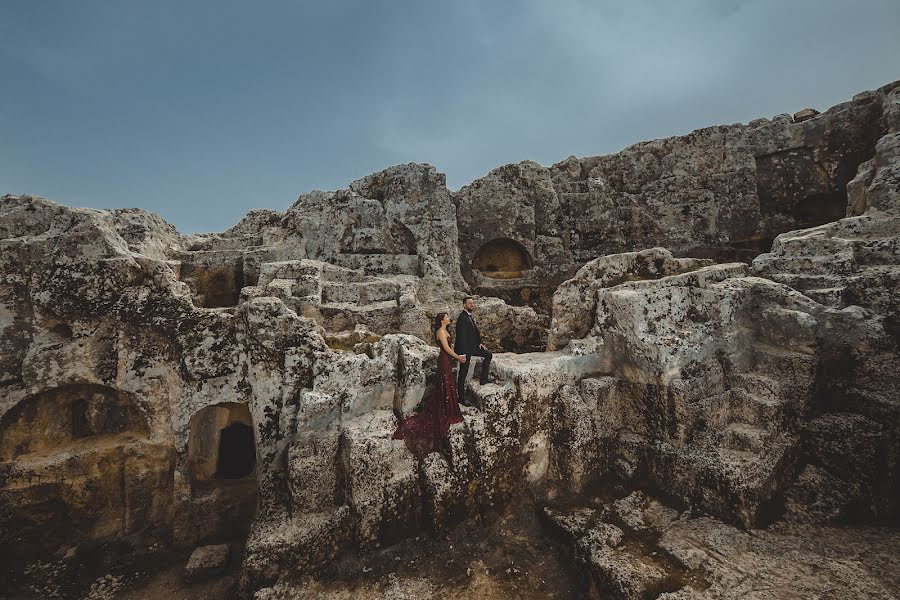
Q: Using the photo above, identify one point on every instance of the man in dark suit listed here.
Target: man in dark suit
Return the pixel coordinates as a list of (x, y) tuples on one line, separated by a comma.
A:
[(468, 341)]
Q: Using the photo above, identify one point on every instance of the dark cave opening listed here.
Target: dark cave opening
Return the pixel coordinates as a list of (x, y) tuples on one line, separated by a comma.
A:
[(221, 287), (81, 427), (818, 209), (237, 452), (214, 286)]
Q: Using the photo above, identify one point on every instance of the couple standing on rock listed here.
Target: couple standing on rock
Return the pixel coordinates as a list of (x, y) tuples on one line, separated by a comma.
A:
[(426, 431)]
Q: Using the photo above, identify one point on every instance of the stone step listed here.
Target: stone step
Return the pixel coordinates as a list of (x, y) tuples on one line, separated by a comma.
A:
[(803, 282), (732, 484), (784, 365), (301, 271), (331, 308), (301, 543), (760, 410), (337, 274), (365, 292), (833, 296), (379, 317), (757, 384), (745, 437), (618, 566), (487, 390), (740, 482), (496, 401), (380, 264)]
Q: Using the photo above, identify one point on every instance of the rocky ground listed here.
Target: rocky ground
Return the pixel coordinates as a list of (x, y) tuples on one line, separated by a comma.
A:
[(638, 547), (512, 557), (111, 574), (594, 545)]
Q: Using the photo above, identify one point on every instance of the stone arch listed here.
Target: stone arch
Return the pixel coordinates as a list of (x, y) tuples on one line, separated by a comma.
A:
[(221, 443), (222, 466), (83, 467), (502, 258), (66, 414)]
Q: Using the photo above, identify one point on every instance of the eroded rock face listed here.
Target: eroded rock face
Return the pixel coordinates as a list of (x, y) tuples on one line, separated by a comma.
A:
[(721, 192), (573, 302), (638, 546), (165, 389)]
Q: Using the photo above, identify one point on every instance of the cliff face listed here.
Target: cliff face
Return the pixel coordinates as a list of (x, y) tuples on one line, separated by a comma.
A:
[(711, 318), (721, 192)]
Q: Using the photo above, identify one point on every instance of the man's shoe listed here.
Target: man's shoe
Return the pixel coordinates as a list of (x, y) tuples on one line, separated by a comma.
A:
[(465, 402), (486, 381)]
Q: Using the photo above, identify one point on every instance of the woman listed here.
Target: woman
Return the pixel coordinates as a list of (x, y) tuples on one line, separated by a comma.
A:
[(425, 432)]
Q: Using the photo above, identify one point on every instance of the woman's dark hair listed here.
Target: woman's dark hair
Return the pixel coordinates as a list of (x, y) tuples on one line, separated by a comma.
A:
[(438, 319)]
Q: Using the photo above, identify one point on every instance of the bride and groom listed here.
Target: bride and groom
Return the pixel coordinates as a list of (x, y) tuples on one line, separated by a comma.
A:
[(426, 431)]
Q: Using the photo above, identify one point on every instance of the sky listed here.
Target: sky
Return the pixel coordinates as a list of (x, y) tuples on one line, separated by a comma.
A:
[(203, 110)]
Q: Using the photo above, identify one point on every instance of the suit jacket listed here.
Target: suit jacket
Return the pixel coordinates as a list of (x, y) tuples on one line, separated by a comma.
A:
[(468, 338)]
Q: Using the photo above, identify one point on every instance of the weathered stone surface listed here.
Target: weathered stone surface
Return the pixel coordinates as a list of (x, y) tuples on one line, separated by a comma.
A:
[(851, 267), (658, 552), (160, 388), (207, 561), (574, 301), (720, 192)]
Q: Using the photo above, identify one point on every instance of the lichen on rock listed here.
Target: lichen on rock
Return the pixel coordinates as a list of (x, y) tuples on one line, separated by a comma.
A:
[(695, 361)]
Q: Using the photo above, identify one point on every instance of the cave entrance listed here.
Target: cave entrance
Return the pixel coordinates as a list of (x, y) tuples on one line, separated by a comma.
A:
[(818, 209), (214, 286), (221, 445), (222, 464), (69, 416), (793, 182), (237, 452), (502, 258)]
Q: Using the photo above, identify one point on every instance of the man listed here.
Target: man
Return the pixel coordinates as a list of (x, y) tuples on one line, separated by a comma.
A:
[(468, 341)]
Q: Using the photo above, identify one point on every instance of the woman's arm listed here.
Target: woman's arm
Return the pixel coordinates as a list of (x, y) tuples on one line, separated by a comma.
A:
[(442, 336)]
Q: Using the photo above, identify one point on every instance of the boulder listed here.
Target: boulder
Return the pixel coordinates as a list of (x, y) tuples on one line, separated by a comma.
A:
[(207, 561)]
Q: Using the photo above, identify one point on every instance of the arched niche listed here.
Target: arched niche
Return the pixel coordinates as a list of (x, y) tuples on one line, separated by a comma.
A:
[(221, 445), (80, 466), (67, 416), (502, 258)]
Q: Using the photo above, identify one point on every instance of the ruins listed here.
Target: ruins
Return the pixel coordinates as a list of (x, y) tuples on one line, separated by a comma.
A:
[(696, 359)]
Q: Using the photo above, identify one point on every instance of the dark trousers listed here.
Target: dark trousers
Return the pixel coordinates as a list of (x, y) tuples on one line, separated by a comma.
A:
[(464, 370)]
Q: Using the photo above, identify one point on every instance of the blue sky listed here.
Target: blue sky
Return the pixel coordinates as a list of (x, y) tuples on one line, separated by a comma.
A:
[(201, 111)]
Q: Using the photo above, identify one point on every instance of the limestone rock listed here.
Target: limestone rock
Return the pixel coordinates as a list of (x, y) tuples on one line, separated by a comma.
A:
[(574, 301), (207, 561), (682, 556), (720, 192), (713, 315), (803, 115)]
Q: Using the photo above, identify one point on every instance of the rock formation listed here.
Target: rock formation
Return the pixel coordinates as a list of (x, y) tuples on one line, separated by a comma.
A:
[(696, 340)]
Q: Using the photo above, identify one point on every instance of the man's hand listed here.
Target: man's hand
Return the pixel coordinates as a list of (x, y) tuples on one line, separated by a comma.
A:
[(482, 346)]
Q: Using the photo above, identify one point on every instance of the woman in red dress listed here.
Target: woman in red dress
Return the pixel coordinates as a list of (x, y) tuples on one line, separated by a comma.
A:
[(425, 432)]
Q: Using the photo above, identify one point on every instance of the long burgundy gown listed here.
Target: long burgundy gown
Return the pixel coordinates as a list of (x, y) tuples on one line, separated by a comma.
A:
[(425, 432)]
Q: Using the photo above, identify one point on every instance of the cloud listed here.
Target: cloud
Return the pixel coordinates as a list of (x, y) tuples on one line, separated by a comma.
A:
[(586, 77), (202, 111)]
